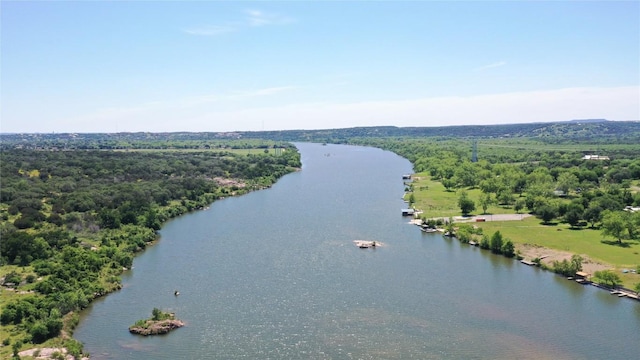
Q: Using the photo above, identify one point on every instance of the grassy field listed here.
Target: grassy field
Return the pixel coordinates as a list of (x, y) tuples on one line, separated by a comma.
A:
[(586, 241), (432, 198), (579, 241)]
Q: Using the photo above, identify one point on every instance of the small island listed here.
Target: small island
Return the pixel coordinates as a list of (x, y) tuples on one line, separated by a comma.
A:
[(159, 323)]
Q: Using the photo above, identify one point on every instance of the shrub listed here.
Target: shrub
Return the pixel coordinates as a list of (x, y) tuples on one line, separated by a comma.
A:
[(508, 249), (607, 277), (485, 243), (496, 242), (16, 348)]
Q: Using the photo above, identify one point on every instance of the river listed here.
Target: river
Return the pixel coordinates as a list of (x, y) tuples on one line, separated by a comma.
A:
[(275, 274)]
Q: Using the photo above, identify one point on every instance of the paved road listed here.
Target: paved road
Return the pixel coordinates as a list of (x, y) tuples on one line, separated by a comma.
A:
[(494, 217)]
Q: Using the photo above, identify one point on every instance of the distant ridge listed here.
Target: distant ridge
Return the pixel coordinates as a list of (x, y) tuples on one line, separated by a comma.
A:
[(588, 121), (589, 130), (579, 129)]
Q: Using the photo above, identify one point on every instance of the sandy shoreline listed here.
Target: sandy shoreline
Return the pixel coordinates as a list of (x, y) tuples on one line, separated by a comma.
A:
[(47, 353), (548, 256)]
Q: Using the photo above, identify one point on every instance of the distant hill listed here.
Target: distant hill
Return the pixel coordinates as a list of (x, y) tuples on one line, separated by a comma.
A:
[(591, 130), (579, 130), (587, 121)]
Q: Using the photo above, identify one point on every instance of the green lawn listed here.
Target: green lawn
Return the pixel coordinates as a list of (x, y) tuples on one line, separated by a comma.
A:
[(584, 241), (432, 198)]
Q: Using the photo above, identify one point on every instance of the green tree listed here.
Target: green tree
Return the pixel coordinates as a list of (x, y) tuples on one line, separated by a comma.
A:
[(449, 184), (508, 249), (156, 314), (546, 213), (573, 215), (39, 332), (21, 248), (592, 214), (17, 345), (613, 224), (607, 277), (631, 223), (151, 219), (13, 278), (466, 205), (109, 218), (488, 186), (519, 205), (449, 228), (637, 288), (505, 197), (485, 201), (467, 173), (496, 242), (566, 182), (576, 263), (485, 242)]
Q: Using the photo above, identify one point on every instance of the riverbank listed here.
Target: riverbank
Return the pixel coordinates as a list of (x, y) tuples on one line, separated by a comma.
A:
[(560, 241), (48, 353), (546, 257)]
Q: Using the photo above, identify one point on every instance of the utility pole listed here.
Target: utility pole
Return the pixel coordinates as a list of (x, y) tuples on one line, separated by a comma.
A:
[(474, 153)]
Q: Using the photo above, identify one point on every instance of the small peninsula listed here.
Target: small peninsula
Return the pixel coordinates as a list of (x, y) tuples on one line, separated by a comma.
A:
[(159, 323)]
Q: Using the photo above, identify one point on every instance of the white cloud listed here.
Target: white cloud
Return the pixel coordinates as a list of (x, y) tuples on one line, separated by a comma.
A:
[(491, 66), (261, 18), (211, 98), (269, 91), (253, 18)]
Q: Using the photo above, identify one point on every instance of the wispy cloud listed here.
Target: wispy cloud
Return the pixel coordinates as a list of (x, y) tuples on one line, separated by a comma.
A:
[(261, 18), (212, 98), (192, 103), (253, 18), (508, 108), (270, 91), (256, 110), (491, 66), (210, 30)]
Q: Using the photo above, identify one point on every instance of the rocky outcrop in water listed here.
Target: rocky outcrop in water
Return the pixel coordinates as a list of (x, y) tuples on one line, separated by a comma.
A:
[(156, 327)]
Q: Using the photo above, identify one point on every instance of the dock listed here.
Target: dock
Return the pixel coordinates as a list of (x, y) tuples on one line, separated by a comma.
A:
[(526, 262)]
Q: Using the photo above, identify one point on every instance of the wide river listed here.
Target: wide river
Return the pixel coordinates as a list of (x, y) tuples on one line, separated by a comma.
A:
[(275, 274)]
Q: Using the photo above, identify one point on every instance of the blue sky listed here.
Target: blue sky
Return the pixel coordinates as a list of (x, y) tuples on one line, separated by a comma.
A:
[(222, 66)]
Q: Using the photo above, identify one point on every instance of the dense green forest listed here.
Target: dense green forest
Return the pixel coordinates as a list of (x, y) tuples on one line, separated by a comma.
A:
[(72, 220)]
